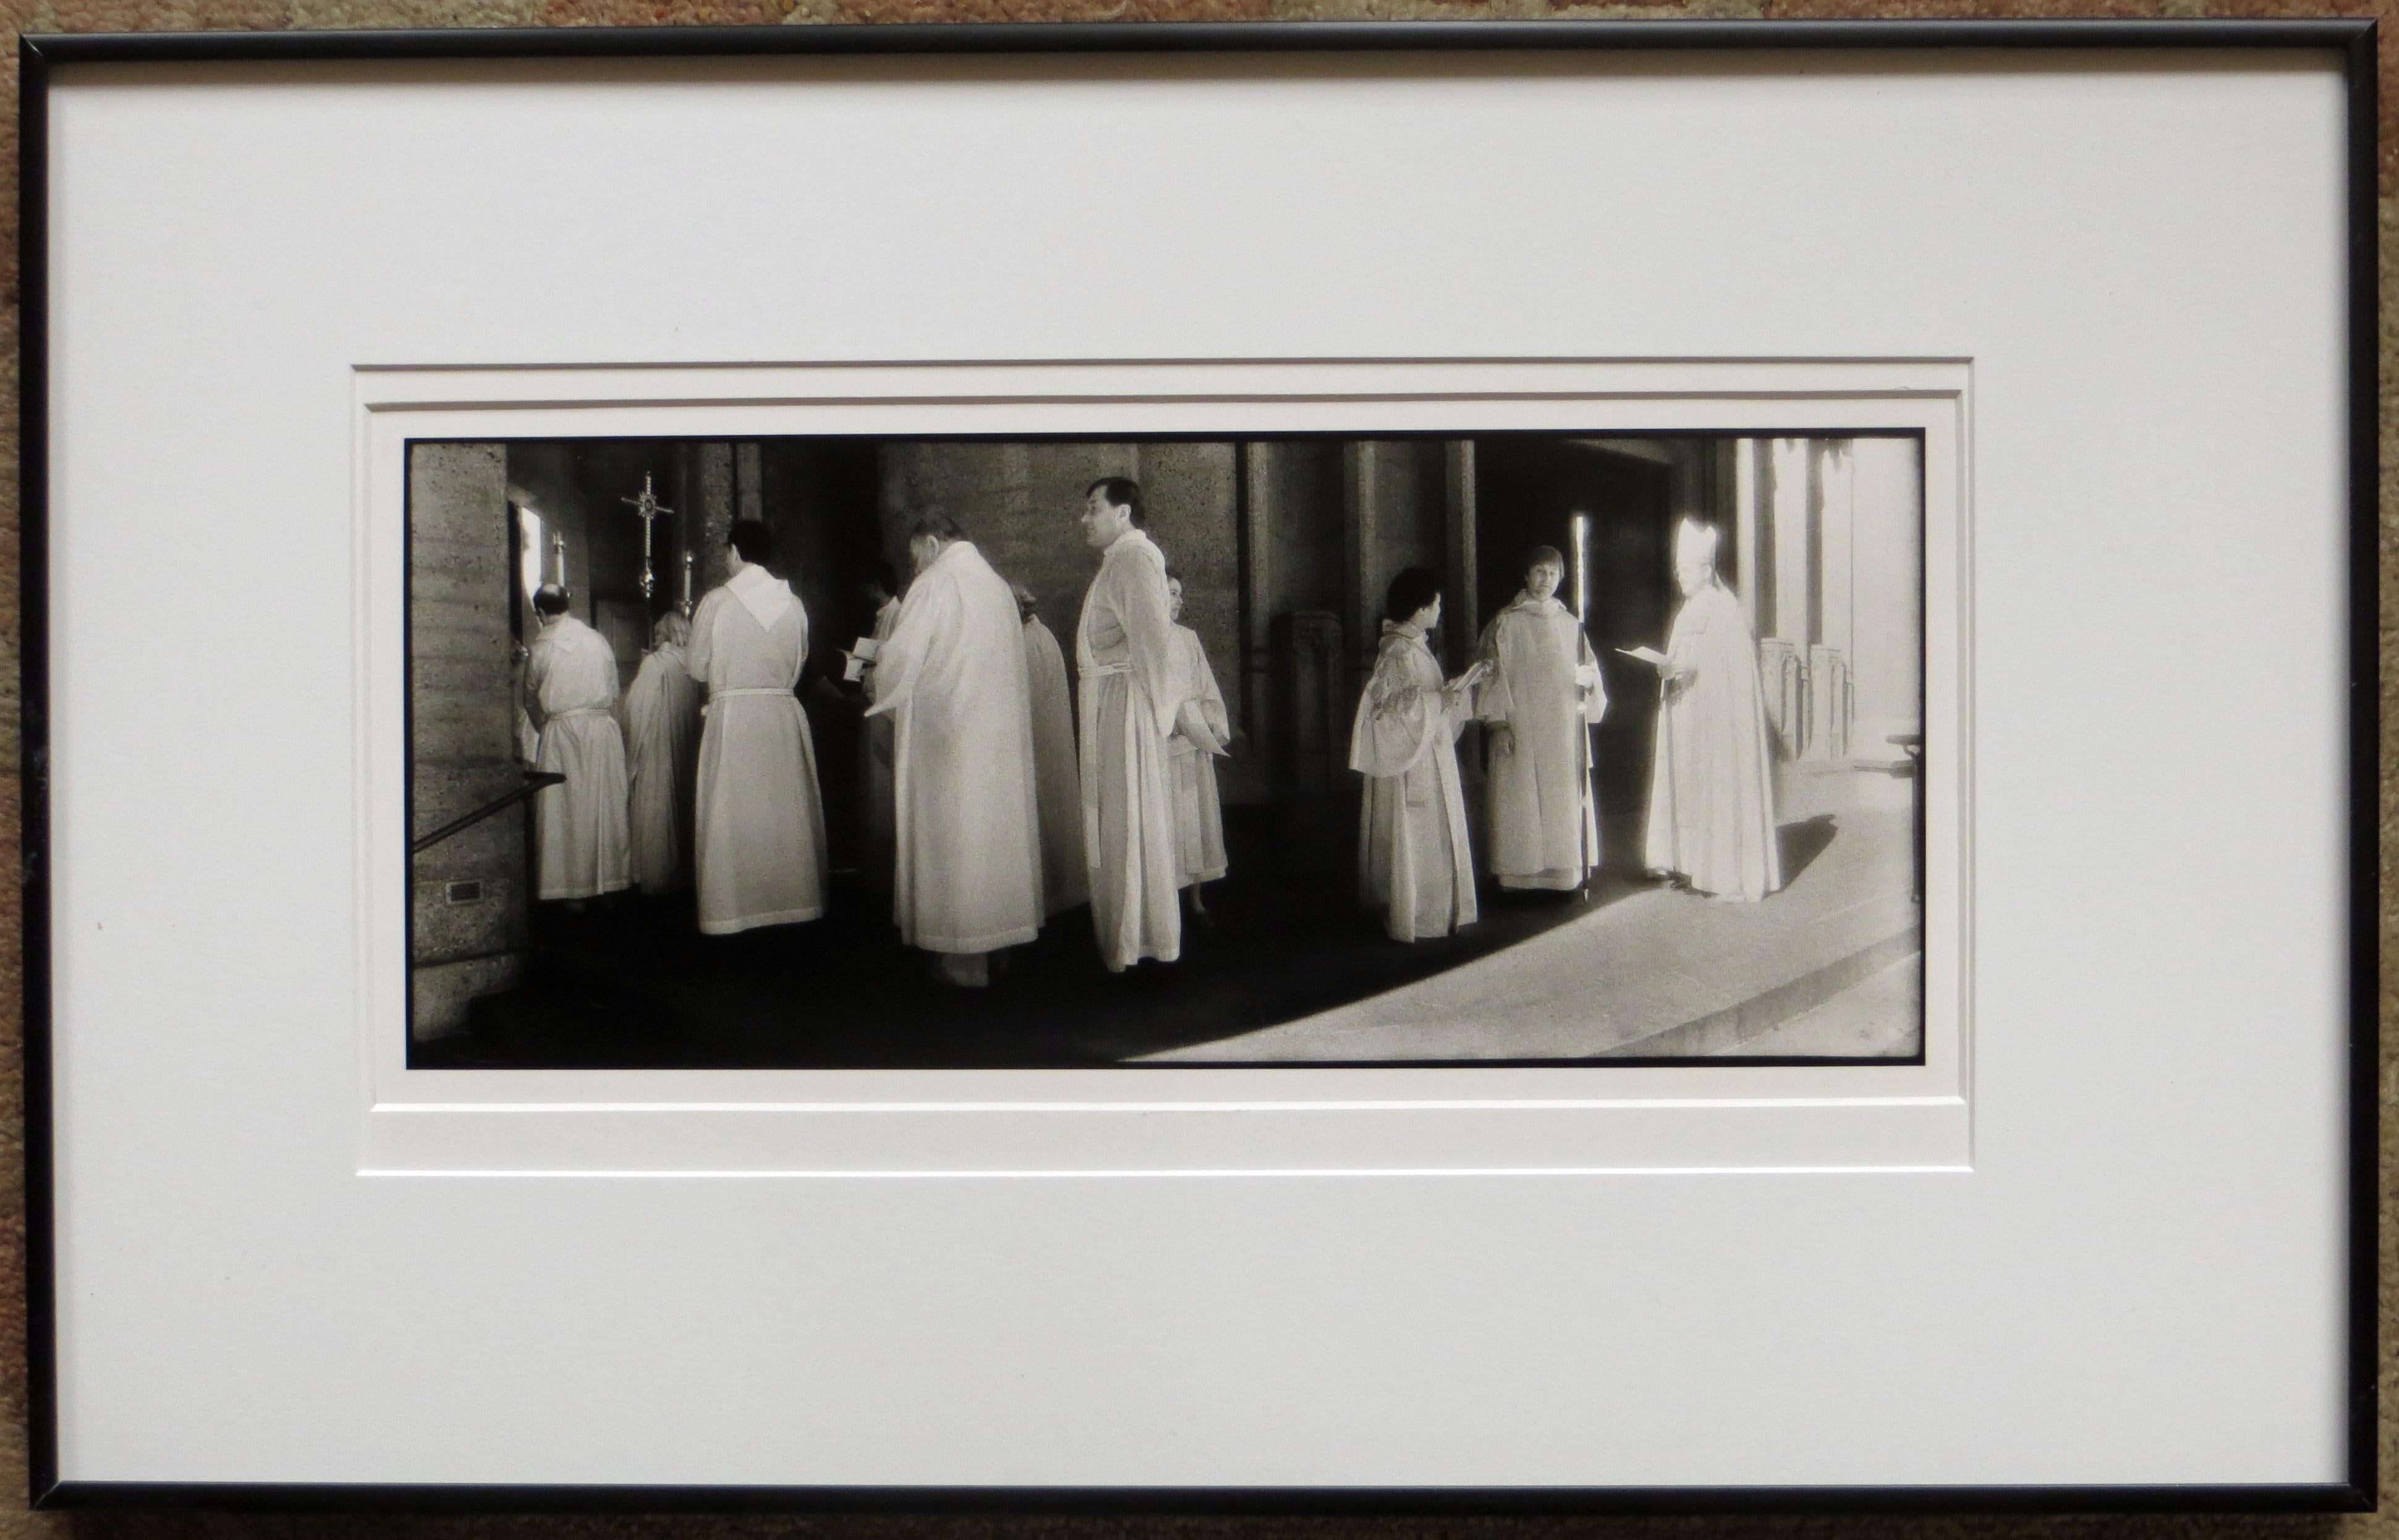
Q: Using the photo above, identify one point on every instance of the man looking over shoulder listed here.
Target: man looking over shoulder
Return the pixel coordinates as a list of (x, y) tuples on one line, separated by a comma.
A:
[(1132, 691)]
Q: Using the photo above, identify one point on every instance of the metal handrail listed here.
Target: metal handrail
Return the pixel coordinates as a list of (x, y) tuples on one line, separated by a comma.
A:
[(535, 780)]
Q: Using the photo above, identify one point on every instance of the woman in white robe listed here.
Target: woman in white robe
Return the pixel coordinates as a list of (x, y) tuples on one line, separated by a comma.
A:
[(663, 734), (1711, 779), (1057, 775), (1413, 861), (1538, 701), (579, 834), (968, 876), (759, 845), (1192, 753)]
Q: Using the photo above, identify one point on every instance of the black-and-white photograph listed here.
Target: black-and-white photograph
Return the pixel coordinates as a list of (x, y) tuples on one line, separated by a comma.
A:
[(856, 753)]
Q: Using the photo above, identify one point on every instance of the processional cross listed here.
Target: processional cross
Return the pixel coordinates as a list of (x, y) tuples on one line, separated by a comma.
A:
[(650, 510)]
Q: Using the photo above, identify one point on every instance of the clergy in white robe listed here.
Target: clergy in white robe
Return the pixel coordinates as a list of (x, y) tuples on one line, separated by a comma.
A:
[(950, 677), (1132, 692), (1414, 864), (759, 841), (663, 734), (1539, 700), (1193, 753), (877, 836), (1712, 779), (579, 835), (1057, 778)]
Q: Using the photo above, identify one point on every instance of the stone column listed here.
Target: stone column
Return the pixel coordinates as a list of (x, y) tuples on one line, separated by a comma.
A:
[(749, 480), (1795, 558), (1258, 516), (713, 499), (1463, 624), (1362, 601), (1750, 528)]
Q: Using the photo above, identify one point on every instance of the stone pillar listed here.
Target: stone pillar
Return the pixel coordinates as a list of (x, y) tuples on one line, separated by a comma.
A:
[(1361, 542), (468, 900), (1258, 517), (1463, 622), (1749, 530), (711, 497), (749, 481), (1794, 557)]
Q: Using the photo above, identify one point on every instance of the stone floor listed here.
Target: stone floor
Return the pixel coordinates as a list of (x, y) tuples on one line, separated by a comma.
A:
[(1874, 1018), (1293, 971), (1661, 974)]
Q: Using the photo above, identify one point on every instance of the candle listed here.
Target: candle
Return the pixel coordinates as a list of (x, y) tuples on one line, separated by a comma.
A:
[(1582, 566)]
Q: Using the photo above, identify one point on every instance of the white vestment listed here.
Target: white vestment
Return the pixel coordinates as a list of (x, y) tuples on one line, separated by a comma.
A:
[(1544, 687), (663, 734), (1131, 686), (1712, 780), (1198, 813), (951, 676), (877, 836), (759, 842), (1414, 861), (580, 837), (1057, 778)]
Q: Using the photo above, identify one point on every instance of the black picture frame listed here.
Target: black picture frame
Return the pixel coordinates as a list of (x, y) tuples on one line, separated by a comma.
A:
[(2353, 40)]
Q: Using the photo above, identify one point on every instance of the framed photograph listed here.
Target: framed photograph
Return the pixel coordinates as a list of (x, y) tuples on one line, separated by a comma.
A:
[(1552, 765)]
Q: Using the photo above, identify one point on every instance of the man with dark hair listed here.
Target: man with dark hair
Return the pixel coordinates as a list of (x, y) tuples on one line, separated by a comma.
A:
[(581, 839), (1121, 492), (967, 870), (1134, 690), (759, 842), (1543, 695)]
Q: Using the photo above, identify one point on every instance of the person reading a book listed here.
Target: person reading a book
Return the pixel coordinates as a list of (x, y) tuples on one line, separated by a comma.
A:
[(1712, 779)]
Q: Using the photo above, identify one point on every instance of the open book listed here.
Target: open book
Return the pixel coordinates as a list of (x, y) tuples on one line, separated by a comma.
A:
[(1650, 655), (859, 656)]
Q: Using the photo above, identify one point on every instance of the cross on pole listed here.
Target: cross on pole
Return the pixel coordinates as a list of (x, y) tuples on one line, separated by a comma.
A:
[(649, 510)]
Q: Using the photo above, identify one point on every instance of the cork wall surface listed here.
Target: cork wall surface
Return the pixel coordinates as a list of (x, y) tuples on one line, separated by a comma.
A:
[(46, 15)]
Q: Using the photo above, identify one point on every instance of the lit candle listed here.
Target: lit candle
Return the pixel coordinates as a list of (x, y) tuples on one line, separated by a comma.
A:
[(558, 558), (1582, 566), (686, 582)]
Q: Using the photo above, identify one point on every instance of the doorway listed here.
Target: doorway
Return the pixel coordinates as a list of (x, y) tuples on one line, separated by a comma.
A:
[(1528, 491)]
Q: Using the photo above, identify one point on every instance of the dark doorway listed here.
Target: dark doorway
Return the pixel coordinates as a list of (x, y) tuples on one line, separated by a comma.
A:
[(1528, 491)]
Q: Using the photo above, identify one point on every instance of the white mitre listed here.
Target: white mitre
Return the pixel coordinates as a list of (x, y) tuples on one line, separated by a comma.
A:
[(1695, 541)]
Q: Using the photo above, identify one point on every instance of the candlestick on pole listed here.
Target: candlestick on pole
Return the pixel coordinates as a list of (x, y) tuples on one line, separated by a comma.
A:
[(687, 585), (649, 510), (558, 560), (1582, 567)]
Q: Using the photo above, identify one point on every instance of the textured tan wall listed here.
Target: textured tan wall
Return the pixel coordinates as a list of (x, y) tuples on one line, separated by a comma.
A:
[(169, 15)]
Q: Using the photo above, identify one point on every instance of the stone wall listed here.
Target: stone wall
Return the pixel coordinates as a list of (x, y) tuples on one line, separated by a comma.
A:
[(461, 722), (1020, 505)]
